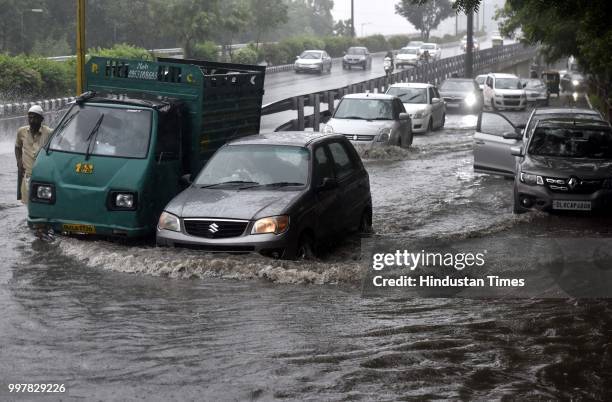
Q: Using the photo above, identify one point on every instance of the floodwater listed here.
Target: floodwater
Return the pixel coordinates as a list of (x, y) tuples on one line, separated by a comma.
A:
[(117, 322)]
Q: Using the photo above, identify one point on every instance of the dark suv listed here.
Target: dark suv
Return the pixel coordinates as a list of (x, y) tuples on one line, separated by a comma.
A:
[(357, 56), (566, 164), (279, 194)]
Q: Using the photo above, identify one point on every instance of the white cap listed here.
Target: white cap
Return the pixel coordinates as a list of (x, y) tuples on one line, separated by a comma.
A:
[(37, 109)]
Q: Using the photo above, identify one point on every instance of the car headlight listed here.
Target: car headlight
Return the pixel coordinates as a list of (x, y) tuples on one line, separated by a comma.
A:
[(575, 83), (419, 115), (328, 129), (42, 192), (168, 221), (122, 200), (272, 224), (531, 179), (383, 135), (470, 100)]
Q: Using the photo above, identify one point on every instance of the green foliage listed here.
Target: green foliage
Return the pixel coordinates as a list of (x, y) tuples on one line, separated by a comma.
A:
[(399, 41), (337, 45), (122, 51), (57, 77), (274, 54), (205, 51), (246, 55), (424, 15), (343, 28), (375, 43), (18, 81), (49, 47)]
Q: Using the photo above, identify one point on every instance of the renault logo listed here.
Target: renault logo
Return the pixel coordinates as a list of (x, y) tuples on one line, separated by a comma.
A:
[(573, 182), (213, 228)]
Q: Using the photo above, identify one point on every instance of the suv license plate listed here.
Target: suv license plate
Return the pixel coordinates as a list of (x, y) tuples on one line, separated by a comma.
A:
[(572, 205), (77, 228)]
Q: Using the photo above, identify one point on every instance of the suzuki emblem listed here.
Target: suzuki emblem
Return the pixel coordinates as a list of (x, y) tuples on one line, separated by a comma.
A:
[(213, 228), (354, 138), (572, 182)]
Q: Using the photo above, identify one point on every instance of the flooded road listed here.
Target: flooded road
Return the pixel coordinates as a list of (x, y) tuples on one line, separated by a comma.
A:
[(113, 322)]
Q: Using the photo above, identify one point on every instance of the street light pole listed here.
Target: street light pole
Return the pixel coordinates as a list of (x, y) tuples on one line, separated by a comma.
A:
[(469, 45), (353, 18), (80, 84), (31, 10)]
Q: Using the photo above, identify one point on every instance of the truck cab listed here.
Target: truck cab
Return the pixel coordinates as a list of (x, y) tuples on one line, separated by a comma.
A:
[(119, 153)]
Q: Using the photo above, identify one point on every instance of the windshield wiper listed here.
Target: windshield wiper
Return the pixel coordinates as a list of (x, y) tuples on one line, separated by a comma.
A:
[(284, 184), (59, 129), (91, 138), (351, 117), (230, 182)]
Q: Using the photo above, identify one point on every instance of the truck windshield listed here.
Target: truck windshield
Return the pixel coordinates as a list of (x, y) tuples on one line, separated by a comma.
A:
[(256, 165), (588, 142), (120, 132)]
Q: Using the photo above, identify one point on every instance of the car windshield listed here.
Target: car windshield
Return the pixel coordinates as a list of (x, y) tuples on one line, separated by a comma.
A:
[(356, 50), (535, 84), (310, 55), (409, 95), (457, 86), (365, 109), (480, 79), (429, 46), (256, 165), (415, 43), (572, 142), (508, 83), (552, 116), (408, 51), (104, 131)]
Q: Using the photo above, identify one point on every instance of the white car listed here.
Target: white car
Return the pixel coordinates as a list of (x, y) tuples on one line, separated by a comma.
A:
[(423, 103), (434, 50), (480, 80), (407, 56), (317, 61), (475, 44), (504, 91)]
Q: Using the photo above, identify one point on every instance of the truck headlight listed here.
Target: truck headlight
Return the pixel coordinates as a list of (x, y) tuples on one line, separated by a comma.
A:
[(168, 221), (419, 115), (328, 129), (119, 200), (272, 224), (575, 83), (532, 179), (470, 100), (42, 192), (383, 134)]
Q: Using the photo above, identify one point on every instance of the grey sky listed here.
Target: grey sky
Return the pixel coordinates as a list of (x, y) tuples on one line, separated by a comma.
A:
[(378, 16)]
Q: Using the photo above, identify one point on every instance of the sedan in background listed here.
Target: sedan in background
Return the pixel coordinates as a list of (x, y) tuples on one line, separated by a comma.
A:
[(407, 56), (461, 94), (433, 49), (537, 91), (423, 103), (369, 120), (476, 44), (357, 57), (317, 61), (278, 194)]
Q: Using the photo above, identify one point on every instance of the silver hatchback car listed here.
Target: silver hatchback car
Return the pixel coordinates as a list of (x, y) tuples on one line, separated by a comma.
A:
[(370, 120)]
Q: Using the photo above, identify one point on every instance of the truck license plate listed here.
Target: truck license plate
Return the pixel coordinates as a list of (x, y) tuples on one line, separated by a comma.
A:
[(572, 205), (78, 228)]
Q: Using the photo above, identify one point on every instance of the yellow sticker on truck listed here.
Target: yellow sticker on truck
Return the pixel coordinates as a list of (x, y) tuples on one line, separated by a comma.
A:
[(85, 168), (78, 228)]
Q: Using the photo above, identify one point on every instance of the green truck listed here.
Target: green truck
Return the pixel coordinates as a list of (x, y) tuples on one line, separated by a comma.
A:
[(126, 146)]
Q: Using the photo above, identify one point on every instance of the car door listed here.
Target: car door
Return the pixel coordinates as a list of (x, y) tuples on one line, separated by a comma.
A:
[(350, 185), (328, 201), (328, 60), (405, 126), (491, 149), (439, 108)]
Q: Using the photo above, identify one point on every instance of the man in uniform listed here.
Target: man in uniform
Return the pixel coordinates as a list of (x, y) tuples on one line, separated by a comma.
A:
[(29, 141)]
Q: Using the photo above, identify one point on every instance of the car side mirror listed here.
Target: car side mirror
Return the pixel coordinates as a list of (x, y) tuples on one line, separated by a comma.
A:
[(435, 100), (185, 180), (516, 151), (404, 116), (511, 136), (328, 183), (525, 85)]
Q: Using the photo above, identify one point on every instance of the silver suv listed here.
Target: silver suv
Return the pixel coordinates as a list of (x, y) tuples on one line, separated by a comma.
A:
[(371, 120)]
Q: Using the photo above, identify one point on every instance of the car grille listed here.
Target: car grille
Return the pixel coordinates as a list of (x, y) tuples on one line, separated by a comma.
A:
[(512, 97), (215, 229), (359, 137), (575, 186)]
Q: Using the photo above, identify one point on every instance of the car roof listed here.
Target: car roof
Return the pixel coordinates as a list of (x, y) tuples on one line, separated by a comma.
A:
[(293, 138), (564, 110), (369, 95), (312, 50), (411, 85), (502, 75), (429, 43)]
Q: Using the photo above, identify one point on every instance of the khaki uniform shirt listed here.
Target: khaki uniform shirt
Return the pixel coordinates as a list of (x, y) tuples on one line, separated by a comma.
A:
[(30, 145)]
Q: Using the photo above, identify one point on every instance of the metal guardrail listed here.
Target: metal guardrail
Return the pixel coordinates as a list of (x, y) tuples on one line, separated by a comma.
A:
[(433, 72)]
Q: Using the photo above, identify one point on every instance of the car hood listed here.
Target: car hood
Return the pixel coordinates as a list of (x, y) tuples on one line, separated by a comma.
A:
[(509, 91), (454, 94), (564, 167), (231, 203), (308, 61), (412, 108), (355, 56), (366, 127), (406, 57)]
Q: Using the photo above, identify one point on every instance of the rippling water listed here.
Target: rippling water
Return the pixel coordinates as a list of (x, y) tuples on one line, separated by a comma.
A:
[(117, 322)]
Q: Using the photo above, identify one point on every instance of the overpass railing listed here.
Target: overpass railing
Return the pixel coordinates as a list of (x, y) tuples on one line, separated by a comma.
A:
[(433, 72)]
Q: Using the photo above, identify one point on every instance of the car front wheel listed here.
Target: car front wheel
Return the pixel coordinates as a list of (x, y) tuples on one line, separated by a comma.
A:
[(305, 248)]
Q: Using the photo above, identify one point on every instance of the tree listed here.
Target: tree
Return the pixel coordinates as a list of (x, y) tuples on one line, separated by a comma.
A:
[(266, 15), (426, 15), (342, 28)]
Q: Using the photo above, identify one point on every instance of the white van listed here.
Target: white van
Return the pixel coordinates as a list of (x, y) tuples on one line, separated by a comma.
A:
[(504, 91)]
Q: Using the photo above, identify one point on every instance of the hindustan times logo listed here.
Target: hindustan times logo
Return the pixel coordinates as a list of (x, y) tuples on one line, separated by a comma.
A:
[(412, 260)]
